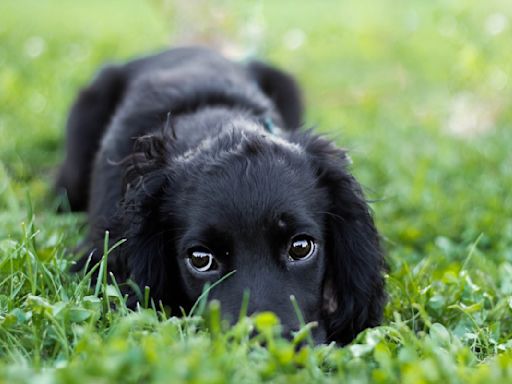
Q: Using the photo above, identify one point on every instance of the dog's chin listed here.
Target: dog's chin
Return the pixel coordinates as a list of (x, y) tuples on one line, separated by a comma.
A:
[(317, 331), (319, 334)]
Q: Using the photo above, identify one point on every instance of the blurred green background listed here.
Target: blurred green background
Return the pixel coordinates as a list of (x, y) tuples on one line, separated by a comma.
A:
[(420, 92)]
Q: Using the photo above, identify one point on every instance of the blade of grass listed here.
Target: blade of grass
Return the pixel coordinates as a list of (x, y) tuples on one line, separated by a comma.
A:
[(201, 300)]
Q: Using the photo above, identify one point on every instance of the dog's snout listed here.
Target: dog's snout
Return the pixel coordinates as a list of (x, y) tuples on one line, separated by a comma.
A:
[(289, 324)]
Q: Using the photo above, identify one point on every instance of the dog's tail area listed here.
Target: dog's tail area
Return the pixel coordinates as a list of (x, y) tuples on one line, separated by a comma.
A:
[(87, 122), (283, 90)]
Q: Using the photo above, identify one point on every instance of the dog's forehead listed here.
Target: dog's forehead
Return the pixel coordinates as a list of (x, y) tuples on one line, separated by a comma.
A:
[(256, 188), (251, 186)]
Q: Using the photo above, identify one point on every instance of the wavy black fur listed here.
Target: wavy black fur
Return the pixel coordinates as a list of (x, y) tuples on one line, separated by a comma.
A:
[(170, 152)]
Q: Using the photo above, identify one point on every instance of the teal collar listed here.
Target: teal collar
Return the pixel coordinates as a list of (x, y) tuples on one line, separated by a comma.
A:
[(268, 124)]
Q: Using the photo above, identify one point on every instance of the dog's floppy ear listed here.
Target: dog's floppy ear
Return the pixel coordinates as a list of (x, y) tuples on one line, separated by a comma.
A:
[(354, 294), (282, 89), (146, 256)]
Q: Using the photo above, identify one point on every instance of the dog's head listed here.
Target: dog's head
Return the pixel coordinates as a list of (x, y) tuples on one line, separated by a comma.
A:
[(283, 213)]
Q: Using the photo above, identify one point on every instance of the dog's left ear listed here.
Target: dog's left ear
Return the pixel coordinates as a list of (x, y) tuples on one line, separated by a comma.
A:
[(282, 89), (354, 294)]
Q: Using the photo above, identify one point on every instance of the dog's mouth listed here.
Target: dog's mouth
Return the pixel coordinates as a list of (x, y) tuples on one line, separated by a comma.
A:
[(267, 325), (312, 333)]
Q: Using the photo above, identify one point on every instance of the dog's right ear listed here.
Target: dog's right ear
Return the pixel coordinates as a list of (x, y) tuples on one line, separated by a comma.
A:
[(282, 89), (146, 254)]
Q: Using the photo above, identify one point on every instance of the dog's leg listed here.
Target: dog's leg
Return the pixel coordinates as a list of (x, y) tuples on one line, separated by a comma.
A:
[(88, 119), (282, 89)]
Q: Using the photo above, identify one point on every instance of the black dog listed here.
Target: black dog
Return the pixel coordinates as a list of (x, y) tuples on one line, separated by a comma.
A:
[(198, 162)]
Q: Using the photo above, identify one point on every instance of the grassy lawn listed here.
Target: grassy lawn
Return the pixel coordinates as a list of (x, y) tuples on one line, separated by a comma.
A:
[(421, 94)]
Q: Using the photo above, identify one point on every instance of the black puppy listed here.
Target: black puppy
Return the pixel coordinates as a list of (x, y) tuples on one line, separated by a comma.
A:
[(198, 163)]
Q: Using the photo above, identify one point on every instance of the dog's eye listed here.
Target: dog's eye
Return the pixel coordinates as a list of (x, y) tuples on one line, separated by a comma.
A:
[(201, 259), (301, 248)]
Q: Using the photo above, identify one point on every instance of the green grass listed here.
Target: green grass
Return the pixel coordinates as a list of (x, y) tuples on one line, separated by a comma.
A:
[(389, 80)]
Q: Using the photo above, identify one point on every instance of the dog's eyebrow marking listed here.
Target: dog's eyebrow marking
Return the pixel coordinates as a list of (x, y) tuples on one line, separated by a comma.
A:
[(244, 127), (190, 154), (250, 126)]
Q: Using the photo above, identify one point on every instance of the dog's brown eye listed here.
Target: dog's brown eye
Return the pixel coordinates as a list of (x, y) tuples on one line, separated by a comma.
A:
[(201, 259), (301, 248)]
